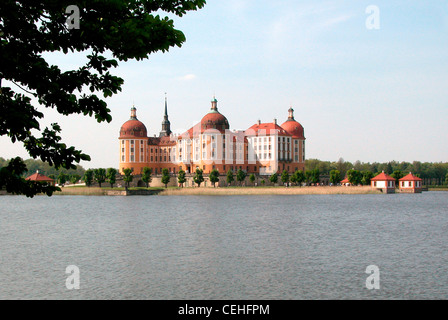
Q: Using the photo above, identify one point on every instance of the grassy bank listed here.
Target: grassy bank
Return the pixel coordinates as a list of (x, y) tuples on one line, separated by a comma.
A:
[(437, 188), (268, 191), (95, 191)]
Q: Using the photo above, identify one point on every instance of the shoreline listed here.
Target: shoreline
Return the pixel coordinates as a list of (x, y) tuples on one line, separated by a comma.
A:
[(220, 191), (223, 191)]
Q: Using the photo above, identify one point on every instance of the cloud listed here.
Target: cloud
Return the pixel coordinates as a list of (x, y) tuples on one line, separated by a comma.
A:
[(187, 77)]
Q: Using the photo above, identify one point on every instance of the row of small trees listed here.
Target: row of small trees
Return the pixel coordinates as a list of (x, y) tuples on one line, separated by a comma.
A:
[(100, 176), (296, 178)]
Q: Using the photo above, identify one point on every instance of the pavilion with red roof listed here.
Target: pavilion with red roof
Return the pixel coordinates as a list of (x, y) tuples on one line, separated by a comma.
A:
[(37, 177), (410, 184), (384, 182), (345, 182)]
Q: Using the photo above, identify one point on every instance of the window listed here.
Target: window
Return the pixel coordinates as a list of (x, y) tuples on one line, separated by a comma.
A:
[(132, 141), (132, 158), (122, 158)]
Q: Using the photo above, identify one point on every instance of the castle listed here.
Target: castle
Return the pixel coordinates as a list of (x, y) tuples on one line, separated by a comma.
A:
[(262, 149)]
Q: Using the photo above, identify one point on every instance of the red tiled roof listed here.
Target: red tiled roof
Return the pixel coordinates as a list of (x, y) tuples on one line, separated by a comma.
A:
[(410, 177), (38, 177), (266, 129), (382, 177), (345, 181)]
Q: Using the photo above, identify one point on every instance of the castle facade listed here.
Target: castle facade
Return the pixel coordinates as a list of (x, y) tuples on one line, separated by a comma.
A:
[(262, 149)]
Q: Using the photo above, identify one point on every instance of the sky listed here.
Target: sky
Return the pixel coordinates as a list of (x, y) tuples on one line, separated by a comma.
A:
[(361, 93)]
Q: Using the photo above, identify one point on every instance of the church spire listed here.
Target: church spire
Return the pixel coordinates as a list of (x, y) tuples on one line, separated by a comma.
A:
[(166, 125)]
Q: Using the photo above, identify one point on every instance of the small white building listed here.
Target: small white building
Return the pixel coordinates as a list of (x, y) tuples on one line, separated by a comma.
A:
[(384, 182)]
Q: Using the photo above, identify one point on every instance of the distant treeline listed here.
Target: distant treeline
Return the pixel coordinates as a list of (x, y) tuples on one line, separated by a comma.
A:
[(431, 172), (45, 169)]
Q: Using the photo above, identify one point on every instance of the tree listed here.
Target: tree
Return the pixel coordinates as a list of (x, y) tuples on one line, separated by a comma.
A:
[(366, 177), (252, 178), (229, 177), (284, 177), (262, 182), (308, 176), (62, 178), (273, 178), (88, 177), (214, 177), (165, 177), (240, 176), (11, 177), (128, 177), (446, 179), (31, 29), (99, 175), (111, 176), (300, 177), (198, 177), (335, 177), (354, 176), (146, 176), (74, 178), (181, 178), (397, 175), (315, 176)]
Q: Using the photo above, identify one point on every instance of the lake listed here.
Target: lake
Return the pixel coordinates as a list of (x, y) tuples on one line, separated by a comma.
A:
[(225, 247)]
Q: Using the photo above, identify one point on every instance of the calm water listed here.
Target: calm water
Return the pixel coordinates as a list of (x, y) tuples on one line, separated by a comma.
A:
[(254, 247)]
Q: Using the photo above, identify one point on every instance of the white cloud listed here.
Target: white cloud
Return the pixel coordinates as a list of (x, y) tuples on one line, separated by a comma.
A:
[(187, 77)]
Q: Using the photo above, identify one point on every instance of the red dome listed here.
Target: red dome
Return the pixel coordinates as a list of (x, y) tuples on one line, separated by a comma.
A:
[(294, 128), (214, 119), (133, 129)]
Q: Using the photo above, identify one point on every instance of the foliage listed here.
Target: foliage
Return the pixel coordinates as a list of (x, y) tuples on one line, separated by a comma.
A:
[(252, 178), (366, 177), (181, 178), (273, 178), (229, 177), (284, 177), (99, 175), (127, 176), (111, 176), (354, 176), (198, 177), (88, 177), (63, 178), (74, 178), (397, 175), (335, 177), (32, 29), (299, 177), (214, 176), (11, 178), (240, 176), (165, 177), (146, 176)]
